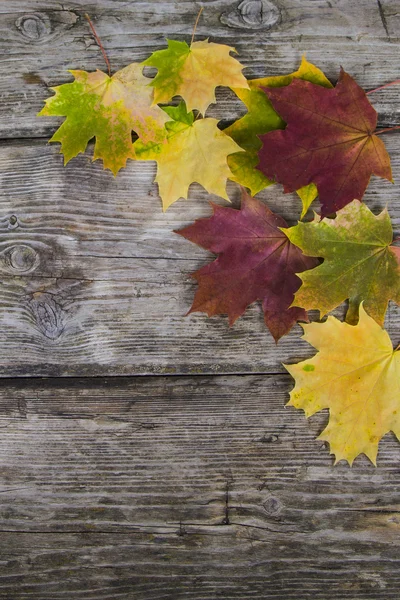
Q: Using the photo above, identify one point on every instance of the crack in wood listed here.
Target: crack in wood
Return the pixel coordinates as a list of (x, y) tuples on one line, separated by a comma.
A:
[(383, 18)]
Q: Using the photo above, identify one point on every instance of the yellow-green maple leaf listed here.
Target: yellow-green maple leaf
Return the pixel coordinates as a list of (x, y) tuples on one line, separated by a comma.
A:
[(193, 151), (109, 109), (262, 118), (359, 262), (193, 72), (356, 374)]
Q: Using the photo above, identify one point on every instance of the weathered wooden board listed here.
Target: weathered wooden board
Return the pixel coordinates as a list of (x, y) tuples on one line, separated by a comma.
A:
[(175, 487), (178, 486), (94, 281), (40, 41), (208, 563)]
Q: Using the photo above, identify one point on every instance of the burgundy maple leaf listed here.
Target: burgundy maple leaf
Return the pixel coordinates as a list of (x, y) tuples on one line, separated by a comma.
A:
[(329, 140), (256, 261)]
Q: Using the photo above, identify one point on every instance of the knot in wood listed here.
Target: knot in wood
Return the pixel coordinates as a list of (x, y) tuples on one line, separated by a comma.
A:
[(20, 259), (252, 14), (273, 506), (49, 315), (13, 222), (34, 26)]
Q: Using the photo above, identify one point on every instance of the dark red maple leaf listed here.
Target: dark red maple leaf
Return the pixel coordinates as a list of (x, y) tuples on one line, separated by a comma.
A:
[(329, 140), (256, 262)]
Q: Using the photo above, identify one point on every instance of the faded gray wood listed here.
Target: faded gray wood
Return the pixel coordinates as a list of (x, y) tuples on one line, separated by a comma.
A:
[(173, 487), (187, 485), (40, 41), (95, 281)]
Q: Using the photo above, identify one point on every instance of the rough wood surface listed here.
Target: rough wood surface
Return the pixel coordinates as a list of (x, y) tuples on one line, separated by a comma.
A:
[(95, 281), (195, 482), (40, 41), (175, 487)]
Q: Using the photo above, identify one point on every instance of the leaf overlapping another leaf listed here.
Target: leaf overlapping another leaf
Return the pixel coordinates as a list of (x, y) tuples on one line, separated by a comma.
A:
[(109, 109), (193, 72), (359, 262), (260, 119), (192, 151), (256, 261), (356, 374), (329, 140)]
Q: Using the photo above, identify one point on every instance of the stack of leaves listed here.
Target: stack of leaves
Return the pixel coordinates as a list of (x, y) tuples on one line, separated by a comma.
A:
[(187, 149), (329, 140), (301, 132)]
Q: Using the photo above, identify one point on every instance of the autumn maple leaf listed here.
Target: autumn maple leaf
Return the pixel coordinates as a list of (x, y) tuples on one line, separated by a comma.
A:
[(192, 151), (193, 72), (359, 262), (329, 140), (262, 118), (256, 261), (356, 374), (108, 108)]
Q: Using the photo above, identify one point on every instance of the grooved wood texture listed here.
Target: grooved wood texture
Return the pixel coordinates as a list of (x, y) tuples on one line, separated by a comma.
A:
[(186, 487), (192, 481), (95, 281)]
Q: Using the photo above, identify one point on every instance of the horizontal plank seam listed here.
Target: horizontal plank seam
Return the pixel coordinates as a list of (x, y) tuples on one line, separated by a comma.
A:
[(21, 139), (106, 378)]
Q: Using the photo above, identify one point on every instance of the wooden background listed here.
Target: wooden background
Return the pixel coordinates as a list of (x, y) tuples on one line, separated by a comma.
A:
[(145, 455)]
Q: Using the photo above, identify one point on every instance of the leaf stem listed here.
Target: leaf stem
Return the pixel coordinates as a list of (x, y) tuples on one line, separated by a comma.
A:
[(387, 129), (195, 25), (381, 87), (100, 45)]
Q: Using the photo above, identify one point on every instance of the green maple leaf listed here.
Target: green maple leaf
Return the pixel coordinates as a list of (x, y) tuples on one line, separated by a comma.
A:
[(262, 118), (109, 109), (359, 262)]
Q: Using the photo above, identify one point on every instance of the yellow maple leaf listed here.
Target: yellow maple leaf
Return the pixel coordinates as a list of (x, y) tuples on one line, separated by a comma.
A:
[(356, 374), (193, 151), (108, 108), (194, 72)]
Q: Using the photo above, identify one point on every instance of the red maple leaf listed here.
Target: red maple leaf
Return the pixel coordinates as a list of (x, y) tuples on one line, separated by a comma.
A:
[(256, 262), (329, 140)]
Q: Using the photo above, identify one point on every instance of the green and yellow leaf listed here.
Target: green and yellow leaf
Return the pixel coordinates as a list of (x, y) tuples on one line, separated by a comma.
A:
[(193, 72), (193, 151), (108, 109), (359, 262)]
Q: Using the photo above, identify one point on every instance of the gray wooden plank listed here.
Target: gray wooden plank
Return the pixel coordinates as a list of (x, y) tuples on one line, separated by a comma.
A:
[(38, 43), (94, 281), (199, 564), (167, 487), (176, 487)]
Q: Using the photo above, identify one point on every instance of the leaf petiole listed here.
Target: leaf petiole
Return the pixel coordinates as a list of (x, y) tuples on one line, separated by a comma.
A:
[(196, 23), (379, 131), (381, 87), (100, 45)]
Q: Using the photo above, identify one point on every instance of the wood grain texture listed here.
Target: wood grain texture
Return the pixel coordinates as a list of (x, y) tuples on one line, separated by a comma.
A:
[(95, 281), (186, 487), (40, 41), (186, 484)]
